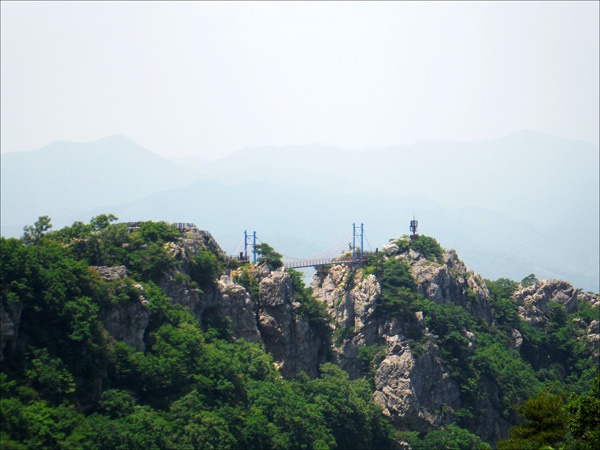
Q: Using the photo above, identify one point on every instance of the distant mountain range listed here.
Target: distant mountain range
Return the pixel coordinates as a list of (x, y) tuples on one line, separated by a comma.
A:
[(526, 203)]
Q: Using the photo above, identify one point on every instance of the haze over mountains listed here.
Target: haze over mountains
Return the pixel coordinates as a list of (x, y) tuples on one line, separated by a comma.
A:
[(525, 203)]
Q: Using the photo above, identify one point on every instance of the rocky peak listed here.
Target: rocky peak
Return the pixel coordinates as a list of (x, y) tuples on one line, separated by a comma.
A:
[(445, 280), (411, 382), (412, 388), (533, 300), (534, 307), (272, 317)]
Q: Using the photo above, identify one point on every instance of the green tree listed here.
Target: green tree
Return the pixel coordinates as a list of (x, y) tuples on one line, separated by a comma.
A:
[(157, 232), (545, 423), (529, 280), (266, 254), (451, 437), (506, 312), (398, 292), (33, 234), (38, 425), (149, 261), (205, 268), (347, 409), (515, 377), (102, 221), (116, 403), (49, 376), (583, 412), (312, 309), (501, 288), (428, 247)]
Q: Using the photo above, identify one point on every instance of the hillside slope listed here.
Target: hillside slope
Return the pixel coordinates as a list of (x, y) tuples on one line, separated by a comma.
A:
[(140, 334)]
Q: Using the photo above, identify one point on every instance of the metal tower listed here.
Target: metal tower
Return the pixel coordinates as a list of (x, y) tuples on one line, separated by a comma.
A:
[(413, 228)]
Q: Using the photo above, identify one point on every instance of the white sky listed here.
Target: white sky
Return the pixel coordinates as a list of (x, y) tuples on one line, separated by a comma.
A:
[(209, 78)]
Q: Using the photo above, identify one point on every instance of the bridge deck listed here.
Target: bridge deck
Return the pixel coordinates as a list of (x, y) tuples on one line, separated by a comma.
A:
[(319, 262)]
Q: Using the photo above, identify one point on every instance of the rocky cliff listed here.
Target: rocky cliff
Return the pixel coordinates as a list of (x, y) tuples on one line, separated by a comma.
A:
[(411, 381), (413, 388), (416, 380), (272, 317), (535, 302)]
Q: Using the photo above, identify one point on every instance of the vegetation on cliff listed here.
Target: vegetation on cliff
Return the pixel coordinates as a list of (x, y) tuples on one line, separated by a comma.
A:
[(66, 382), (504, 363)]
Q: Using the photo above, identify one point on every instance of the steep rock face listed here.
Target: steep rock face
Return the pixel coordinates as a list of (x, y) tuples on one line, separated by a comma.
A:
[(412, 384), (593, 338), (10, 318), (125, 321), (533, 300), (224, 300), (274, 318), (449, 282), (351, 302), (235, 303), (111, 273), (287, 335), (415, 391), (588, 297), (412, 389)]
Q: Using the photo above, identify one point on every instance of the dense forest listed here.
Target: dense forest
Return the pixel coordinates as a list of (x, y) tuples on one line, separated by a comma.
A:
[(66, 382)]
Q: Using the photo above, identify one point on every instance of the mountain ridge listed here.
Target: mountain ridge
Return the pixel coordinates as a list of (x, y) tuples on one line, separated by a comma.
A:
[(152, 324), (519, 184)]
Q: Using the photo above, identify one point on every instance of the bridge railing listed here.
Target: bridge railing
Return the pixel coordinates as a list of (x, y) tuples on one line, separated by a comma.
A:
[(181, 226), (316, 262)]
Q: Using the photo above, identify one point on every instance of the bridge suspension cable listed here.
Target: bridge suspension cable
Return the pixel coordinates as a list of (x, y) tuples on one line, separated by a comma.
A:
[(331, 255), (333, 251)]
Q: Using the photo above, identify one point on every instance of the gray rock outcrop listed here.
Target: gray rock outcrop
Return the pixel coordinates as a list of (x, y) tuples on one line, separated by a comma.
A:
[(126, 321), (273, 318), (413, 389), (111, 273), (412, 385), (533, 300), (593, 338), (287, 335), (450, 282), (10, 318), (416, 391)]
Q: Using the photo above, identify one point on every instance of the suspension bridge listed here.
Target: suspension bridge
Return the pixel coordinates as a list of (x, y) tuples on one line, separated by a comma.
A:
[(349, 249)]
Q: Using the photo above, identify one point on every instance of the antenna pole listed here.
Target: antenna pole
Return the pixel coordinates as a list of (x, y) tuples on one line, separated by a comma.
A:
[(414, 224)]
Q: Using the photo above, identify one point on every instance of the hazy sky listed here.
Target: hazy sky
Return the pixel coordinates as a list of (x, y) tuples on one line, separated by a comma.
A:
[(208, 78)]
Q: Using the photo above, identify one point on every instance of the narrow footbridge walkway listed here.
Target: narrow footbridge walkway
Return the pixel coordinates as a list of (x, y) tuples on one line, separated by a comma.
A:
[(348, 250), (316, 262)]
